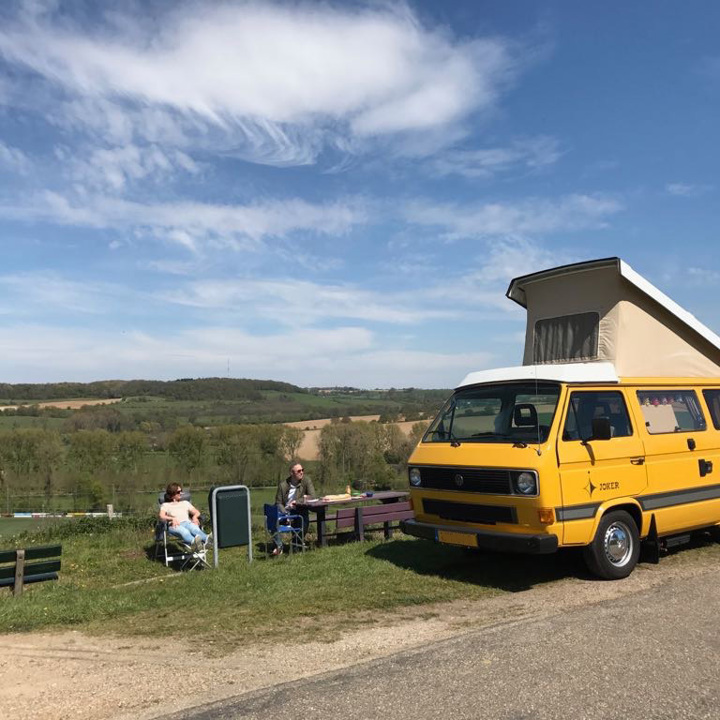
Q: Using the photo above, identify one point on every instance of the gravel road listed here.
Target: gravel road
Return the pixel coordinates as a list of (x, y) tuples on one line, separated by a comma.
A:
[(49, 676)]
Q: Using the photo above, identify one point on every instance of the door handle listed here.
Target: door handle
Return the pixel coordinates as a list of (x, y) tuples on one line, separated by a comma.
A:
[(705, 467), (637, 461)]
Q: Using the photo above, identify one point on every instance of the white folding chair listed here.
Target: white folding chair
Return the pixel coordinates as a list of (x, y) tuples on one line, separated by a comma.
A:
[(173, 549)]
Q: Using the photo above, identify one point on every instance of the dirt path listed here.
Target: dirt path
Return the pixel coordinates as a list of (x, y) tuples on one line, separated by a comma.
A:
[(54, 676), (65, 404)]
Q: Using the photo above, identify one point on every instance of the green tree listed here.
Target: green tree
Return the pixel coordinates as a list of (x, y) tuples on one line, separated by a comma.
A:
[(235, 449), (290, 442), (130, 449), (90, 451), (350, 453), (188, 447)]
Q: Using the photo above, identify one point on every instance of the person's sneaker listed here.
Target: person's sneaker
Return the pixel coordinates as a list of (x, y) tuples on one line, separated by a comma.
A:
[(277, 551), (209, 541), (197, 544)]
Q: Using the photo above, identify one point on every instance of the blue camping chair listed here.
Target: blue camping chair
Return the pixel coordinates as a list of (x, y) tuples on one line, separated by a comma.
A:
[(280, 525)]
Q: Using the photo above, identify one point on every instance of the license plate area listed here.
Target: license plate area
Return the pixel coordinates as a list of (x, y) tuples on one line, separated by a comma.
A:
[(457, 538)]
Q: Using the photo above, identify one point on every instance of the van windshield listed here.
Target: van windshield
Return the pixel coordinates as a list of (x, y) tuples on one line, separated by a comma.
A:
[(508, 412)]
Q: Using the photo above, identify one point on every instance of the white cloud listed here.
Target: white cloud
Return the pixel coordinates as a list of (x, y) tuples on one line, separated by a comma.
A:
[(300, 302), (195, 225), (686, 190), (112, 168), (273, 83), (704, 276), (13, 159), (524, 155), (43, 290), (529, 217), (513, 257), (307, 357)]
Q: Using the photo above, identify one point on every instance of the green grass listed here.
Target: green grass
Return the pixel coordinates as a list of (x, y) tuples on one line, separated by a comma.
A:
[(109, 583), (10, 527)]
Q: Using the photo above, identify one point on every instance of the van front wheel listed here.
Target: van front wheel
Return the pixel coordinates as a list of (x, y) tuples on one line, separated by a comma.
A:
[(614, 552)]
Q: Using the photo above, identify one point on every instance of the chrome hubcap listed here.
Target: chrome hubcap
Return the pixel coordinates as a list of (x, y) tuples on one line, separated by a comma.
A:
[(618, 544)]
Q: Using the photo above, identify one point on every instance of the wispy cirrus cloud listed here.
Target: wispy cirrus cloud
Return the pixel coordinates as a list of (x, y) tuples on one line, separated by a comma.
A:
[(704, 276), (686, 189), (194, 225), (300, 302), (13, 159), (533, 216), (113, 168), (31, 293), (274, 83), (524, 155)]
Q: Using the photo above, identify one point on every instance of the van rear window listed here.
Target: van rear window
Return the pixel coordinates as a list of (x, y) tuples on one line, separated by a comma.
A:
[(669, 411)]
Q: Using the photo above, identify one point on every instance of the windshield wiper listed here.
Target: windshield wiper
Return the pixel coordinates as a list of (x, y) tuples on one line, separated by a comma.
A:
[(446, 435)]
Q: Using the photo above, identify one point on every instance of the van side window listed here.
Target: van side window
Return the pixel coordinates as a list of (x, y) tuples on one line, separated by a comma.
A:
[(712, 398), (584, 406), (667, 411)]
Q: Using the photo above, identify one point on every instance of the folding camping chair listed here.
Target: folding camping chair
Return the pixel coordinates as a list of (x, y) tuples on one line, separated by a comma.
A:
[(173, 549), (279, 524)]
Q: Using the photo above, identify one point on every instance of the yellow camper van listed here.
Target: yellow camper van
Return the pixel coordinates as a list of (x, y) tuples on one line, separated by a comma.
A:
[(606, 436)]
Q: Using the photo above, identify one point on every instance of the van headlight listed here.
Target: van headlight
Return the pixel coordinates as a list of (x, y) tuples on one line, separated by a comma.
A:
[(526, 483), (415, 478)]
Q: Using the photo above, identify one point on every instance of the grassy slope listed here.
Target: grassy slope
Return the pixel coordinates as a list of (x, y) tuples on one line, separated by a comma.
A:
[(111, 585)]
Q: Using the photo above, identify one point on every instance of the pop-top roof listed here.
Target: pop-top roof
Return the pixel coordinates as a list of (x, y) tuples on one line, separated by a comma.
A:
[(517, 290)]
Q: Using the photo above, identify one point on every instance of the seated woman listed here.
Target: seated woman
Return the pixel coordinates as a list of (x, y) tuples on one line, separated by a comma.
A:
[(183, 518)]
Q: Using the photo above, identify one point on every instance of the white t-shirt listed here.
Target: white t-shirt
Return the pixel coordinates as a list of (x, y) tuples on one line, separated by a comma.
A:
[(179, 511), (292, 492)]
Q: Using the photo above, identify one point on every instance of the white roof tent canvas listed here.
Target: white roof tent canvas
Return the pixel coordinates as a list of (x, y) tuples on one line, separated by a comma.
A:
[(603, 311)]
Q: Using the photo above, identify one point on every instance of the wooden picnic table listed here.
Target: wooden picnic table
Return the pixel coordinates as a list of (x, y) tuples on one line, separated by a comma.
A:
[(320, 505)]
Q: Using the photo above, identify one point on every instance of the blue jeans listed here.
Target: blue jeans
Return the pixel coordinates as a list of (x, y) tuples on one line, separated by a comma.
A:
[(186, 531)]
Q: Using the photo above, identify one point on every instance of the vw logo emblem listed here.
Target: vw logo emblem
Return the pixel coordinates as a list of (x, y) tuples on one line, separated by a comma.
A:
[(459, 480)]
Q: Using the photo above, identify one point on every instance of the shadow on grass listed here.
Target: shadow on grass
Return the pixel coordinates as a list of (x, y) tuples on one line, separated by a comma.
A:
[(504, 571)]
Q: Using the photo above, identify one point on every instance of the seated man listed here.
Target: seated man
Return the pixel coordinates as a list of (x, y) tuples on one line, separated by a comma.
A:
[(290, 491), (183, 518)]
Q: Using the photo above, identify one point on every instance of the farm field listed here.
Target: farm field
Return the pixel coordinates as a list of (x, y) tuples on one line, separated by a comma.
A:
[(63, 404), (308, 449)]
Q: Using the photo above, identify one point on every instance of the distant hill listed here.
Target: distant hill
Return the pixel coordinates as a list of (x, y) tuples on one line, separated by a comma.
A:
[(183, 389)]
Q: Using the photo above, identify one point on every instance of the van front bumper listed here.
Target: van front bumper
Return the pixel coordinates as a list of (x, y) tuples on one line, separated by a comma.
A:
[(487, 540)]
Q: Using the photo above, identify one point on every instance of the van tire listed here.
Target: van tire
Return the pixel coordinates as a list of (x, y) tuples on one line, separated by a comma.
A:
[(615, 549)]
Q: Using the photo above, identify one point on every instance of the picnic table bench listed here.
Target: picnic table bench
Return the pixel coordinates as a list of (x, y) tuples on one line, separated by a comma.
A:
[(360, 517), (394, 506), (16, 571)]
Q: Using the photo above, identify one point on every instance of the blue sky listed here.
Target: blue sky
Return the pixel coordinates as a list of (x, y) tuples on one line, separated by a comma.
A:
[(339, 193)]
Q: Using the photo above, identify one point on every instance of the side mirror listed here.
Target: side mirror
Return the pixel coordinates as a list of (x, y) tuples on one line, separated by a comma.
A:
[(601, 429)]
